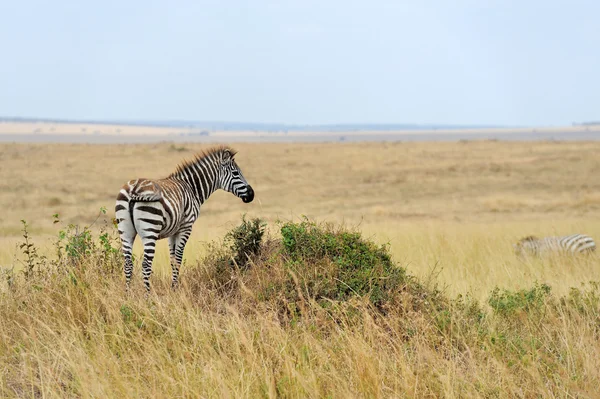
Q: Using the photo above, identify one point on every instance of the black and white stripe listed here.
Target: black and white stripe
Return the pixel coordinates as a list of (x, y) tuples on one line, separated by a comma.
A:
[(572, 244), (167, 208)]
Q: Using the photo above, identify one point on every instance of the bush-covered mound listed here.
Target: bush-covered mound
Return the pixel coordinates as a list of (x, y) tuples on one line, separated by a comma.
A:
[(309, 264)]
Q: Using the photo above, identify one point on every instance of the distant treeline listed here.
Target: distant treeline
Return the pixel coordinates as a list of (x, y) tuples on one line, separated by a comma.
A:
[(592, 123), (263, 127)]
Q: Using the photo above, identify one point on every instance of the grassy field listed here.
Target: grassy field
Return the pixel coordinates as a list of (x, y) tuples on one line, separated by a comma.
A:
[(449, 211), (459, 206)]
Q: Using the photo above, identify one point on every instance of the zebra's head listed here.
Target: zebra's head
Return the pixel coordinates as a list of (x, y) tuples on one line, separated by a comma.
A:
[(525, 246), (518, 248), (232, 179)]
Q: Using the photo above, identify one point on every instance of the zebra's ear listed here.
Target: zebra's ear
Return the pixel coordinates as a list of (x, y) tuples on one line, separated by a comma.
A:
[(227, 156)]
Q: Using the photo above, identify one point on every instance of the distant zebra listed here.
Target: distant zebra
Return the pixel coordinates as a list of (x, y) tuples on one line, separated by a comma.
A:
[(573, 244), (156, 209)]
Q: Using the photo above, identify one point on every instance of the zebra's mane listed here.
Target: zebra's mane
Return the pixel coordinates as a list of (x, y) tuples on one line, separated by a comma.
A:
[(528, 238), (201, 156)]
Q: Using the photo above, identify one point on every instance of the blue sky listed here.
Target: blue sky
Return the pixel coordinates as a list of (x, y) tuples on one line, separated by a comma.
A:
[(311, 62)]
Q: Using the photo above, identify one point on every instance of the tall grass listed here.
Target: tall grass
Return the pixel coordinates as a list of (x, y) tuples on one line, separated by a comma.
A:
[(476, 257), (285, 325)]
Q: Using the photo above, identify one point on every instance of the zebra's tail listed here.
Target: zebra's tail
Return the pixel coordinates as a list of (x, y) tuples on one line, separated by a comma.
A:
[(131, 205), (140, 197), (124, 212)]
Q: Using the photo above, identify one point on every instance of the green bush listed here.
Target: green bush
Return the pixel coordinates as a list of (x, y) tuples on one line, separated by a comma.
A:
[(507, 302), (75, 248), (337, 264)]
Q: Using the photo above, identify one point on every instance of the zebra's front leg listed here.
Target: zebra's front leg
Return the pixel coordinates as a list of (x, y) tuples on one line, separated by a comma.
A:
[(174, 267), (176, 248), (149, 249)]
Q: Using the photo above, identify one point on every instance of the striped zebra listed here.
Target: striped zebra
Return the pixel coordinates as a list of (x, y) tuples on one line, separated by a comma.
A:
[(167, 208), (573, 244)]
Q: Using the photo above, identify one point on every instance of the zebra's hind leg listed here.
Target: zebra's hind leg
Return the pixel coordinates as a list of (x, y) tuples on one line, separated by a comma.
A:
[(149, 249), (128, 269), (176, 248), (127, 234)]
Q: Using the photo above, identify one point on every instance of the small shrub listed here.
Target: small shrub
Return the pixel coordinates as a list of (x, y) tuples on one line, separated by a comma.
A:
[(76, 249), (76, 245), (176, 148), (33, 261), (507, 302), (244, 241), (240, 245)]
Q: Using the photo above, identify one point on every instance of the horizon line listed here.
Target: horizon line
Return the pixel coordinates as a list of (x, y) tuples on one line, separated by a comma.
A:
[(204, 123)]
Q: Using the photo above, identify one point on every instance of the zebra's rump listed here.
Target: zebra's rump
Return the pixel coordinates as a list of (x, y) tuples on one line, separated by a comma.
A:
[(579, 243), (139, 202), (156, 209)]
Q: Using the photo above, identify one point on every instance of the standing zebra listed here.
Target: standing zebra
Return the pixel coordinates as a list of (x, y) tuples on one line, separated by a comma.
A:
[(576, 243), (156, 209)]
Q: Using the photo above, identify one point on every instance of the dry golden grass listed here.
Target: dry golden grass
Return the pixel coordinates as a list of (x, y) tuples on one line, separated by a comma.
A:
[(450, 212)]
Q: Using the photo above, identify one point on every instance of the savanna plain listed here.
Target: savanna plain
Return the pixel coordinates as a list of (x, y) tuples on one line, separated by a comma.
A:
[(456, 315)]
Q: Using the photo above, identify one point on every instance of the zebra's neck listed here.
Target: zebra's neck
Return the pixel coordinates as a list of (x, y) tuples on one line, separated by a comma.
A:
[(202, 175)]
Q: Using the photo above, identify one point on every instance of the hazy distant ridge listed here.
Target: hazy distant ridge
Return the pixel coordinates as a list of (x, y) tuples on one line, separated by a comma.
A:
[(268, 127)]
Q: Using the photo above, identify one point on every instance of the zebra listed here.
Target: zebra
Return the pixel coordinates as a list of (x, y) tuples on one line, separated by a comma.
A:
[(572, 244), (167, 208)]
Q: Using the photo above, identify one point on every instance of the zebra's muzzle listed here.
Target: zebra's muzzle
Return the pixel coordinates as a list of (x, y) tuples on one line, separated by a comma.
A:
[(249, 195)]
